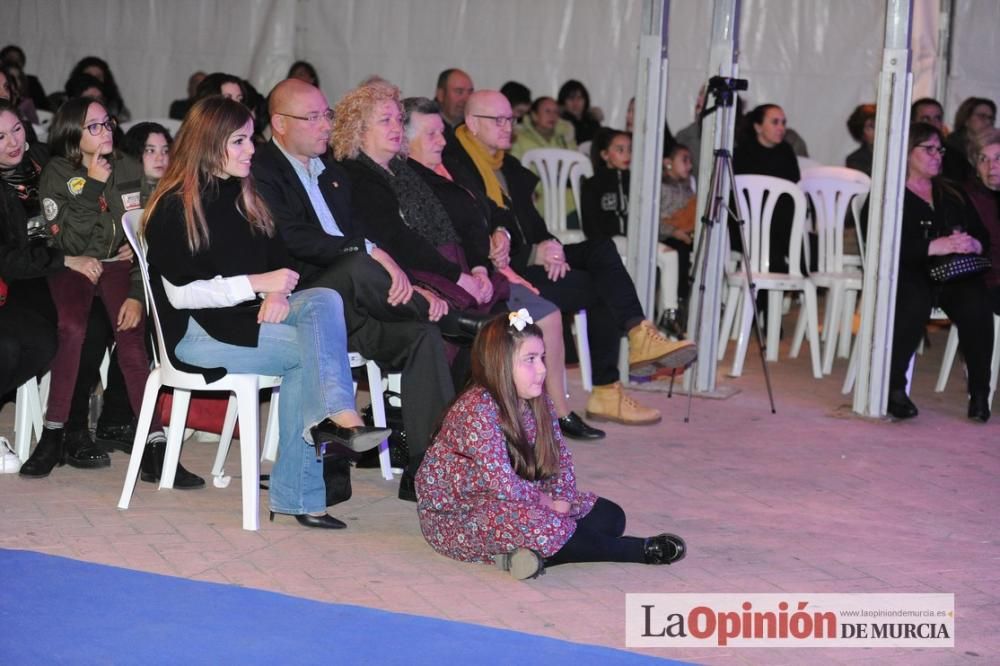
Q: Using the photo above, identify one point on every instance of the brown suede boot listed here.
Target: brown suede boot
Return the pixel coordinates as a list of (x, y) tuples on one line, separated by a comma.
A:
[(611, 403), (648, 349)]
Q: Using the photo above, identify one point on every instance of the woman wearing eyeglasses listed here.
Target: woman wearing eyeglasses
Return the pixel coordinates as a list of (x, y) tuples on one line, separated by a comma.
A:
[(85, 189), (984, 191), (938, 221)]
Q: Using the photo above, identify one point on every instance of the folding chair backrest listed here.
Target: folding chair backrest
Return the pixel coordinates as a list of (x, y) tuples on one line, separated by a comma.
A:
[(831, 197), (558, 169), (756, 197)]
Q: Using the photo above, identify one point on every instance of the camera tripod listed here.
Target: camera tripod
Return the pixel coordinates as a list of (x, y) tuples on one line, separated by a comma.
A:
[(721, 183)]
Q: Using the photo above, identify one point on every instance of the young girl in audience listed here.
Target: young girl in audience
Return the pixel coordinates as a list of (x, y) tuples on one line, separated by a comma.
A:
[(150, 144), (677, 212), (85, 189), (498, 485)]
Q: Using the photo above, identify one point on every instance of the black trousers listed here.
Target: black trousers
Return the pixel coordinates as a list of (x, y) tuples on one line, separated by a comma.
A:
[(967, 304), (27, 345), (397, 338), (599, 283), (598, 538)]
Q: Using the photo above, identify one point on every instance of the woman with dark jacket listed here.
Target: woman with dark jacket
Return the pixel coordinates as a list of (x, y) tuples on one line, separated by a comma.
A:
[(27, 315), (984, 192), (400, 212), (938, 222)]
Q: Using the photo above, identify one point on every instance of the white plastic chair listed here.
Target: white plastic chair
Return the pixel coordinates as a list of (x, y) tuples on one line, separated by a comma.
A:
[(756, 196), (169, 123), (559, 169), (950, 349), (246, 396), (831, 190)]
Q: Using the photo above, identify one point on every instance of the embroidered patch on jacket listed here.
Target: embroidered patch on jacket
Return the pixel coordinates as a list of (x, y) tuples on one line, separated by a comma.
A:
[(131, 200), (50, 208), (609, 201), (75, 185)]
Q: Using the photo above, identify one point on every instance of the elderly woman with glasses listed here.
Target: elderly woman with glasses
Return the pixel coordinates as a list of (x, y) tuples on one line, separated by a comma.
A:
[(984, 191), (938, 224), (85, 190)]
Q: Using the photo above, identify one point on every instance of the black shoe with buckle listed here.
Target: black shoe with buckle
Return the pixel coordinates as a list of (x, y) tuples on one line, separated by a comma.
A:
[(82, 453), (574, 427), (664, 549), (115, 437)]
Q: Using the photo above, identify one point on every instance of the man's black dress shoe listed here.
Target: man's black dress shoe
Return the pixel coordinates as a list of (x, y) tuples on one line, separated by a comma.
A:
[(979, 407), (82, 453), (574, 427), (407, 488), (326, 521), (152, 468), (900, 406), (463, 326), (331, 439)]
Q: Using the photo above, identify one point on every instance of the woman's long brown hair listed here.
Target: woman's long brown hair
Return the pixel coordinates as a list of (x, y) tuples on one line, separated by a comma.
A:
[(197, 157), (492, 368)]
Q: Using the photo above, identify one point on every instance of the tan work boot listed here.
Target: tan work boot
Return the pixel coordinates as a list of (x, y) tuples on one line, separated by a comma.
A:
[(611, 403), (648, 348)]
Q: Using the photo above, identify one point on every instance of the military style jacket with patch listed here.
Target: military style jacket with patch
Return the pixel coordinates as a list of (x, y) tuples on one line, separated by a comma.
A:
[(85, 215)]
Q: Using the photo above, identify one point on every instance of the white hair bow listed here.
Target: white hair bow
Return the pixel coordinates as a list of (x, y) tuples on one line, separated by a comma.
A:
[(520, 319)]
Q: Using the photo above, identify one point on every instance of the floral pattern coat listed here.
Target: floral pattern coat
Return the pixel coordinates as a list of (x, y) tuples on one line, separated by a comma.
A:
[(472, 505)]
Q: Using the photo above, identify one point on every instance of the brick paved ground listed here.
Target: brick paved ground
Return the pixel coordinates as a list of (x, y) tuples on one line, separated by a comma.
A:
[(811, 499)]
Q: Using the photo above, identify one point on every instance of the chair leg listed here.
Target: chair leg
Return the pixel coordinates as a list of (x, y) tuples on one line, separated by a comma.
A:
[(248, 401), (774, 305), (847, 323), (271, 434), (950, 349), (728, 319), (27, 418), (583, 349), (378, 416), (800, 332), (219, 478), (836, 298), (995, 362), (852, 370), (746, 325), (175, 437), (812, 327), (149, 398)]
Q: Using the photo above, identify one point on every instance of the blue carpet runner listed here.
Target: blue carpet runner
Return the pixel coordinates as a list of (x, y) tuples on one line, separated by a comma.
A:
[(55, 610)]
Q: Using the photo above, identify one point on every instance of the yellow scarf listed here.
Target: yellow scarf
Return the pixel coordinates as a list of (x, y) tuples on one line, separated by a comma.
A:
[(486, 164)]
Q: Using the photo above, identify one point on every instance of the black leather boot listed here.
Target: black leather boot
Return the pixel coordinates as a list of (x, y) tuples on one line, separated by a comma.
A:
[(664, 549), (152, 468), (48, 454), (81, 452)]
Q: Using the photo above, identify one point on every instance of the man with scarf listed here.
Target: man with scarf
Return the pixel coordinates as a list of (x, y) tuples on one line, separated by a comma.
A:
[(587, 275)]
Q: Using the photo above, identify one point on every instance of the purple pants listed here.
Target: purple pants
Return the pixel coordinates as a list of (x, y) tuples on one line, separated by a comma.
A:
[(73, 295)]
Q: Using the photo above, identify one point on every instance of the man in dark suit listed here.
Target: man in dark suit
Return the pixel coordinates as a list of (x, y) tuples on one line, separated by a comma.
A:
[(387, 322)]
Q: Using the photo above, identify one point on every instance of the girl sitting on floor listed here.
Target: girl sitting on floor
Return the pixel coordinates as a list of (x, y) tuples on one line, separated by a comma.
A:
[(497, 483)]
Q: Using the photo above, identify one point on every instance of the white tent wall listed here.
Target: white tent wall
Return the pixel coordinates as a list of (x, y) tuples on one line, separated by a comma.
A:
[(816, 58)]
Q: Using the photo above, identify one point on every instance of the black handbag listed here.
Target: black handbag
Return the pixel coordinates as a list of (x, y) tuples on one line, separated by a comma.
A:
[(953, 267)]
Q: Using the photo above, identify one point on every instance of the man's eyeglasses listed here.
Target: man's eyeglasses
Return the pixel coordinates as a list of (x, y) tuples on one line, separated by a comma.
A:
[(311, 118), (931, 149), (499, 120), (95, 128)]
